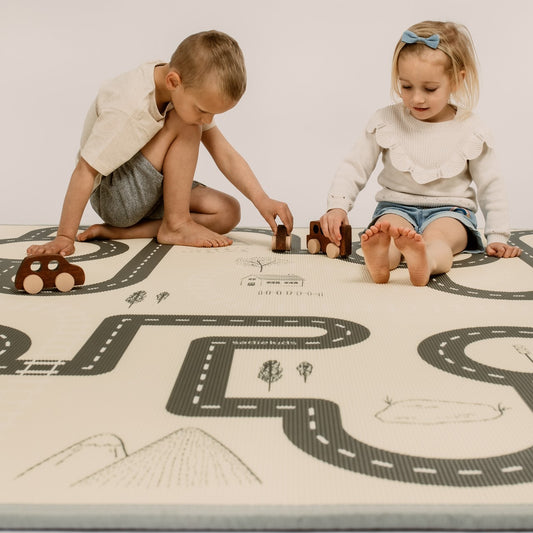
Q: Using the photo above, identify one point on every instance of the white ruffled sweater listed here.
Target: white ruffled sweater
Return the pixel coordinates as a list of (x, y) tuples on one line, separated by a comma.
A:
[(427, 164)]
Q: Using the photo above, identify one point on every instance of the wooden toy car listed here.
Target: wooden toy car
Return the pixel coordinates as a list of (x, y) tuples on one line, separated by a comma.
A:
[(38, 272), (318, 242), (281, 242)]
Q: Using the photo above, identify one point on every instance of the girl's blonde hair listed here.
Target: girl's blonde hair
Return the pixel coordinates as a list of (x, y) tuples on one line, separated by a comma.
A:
[(211, 53), (456, 42)]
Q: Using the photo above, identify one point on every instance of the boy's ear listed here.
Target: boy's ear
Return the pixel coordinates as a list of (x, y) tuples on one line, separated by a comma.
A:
[(173, 80)]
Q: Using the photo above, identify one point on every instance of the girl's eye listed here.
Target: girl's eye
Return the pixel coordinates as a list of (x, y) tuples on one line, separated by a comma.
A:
[(431, 90), (406, 87)]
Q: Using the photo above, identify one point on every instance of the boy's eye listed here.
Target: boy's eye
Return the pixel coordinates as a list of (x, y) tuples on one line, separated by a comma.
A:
[(406, 87)]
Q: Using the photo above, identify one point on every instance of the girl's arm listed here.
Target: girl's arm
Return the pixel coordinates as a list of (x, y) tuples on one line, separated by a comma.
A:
[(350, 178), (492, 196), (238, 172)]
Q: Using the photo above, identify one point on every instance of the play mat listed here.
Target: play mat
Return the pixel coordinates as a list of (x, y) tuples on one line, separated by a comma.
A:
[(238, 388)]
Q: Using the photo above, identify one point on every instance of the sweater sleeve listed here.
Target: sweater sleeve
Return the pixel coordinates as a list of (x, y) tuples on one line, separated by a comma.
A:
[(354, 172), (492, 195)]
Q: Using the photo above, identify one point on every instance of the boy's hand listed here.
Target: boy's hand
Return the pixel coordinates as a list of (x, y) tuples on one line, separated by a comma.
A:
[(331, 222), (60, 245), (500, 249), (270, 209)]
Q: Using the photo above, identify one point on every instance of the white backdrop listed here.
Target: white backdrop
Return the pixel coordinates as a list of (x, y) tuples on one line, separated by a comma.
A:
[(317, 69)]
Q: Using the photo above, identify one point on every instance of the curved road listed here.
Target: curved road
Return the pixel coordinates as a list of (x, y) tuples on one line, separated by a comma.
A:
[(140, 266), (312, 424), (137, 269)]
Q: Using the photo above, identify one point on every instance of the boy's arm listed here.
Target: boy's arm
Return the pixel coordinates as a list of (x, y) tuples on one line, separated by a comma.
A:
[(239, 173), (76, 198)]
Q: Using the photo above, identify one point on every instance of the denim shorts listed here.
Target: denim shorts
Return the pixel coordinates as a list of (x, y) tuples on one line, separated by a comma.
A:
[(421, 217)]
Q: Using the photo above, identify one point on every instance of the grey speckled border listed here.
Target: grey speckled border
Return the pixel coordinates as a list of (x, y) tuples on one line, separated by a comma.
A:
[(352, 517)]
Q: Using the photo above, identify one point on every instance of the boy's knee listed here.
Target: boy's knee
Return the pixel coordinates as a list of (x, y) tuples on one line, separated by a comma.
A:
[(179, 129), (231, 212)]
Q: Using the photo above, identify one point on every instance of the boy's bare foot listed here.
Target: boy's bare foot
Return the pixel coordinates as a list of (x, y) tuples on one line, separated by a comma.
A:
[(101, 231), (414, 250), (375, 242), (191, 233)]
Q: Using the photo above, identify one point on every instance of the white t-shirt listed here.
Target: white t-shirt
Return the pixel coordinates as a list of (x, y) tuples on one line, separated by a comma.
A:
[(122, 119)]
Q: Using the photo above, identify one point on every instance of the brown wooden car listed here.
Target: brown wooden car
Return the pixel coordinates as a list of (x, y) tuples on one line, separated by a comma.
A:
[(38, 272), (318, 242)]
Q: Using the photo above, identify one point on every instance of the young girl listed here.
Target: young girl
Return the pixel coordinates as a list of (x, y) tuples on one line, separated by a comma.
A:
[(433, 150)]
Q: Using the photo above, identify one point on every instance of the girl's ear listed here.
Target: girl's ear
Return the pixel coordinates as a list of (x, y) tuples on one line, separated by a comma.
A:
[(460, 79)]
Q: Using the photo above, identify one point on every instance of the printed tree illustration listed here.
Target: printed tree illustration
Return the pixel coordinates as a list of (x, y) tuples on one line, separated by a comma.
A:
[(260, 262), (270, 372), (305, 368), (136, 297), (162, 296)]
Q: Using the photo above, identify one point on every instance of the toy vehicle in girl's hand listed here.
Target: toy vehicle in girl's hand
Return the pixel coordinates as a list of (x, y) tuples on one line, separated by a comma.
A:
[(38, 272), (318, 242)]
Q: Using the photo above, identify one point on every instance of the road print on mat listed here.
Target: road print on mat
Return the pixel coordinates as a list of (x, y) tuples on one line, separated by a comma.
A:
[(141, 266), (314, 425)]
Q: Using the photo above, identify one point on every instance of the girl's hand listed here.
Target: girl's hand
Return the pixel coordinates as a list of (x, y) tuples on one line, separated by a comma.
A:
[(331, 224), (500, 249), (60, 245)]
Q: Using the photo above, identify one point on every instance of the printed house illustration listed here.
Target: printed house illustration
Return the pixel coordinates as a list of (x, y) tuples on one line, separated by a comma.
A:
[(272, 280)]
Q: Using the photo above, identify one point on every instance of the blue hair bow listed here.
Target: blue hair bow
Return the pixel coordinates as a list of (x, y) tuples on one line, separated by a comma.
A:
[(410, 37)]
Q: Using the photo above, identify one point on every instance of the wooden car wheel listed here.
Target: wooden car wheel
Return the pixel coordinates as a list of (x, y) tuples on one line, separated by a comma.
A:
[(64, 281), (313, 246), (33, 284), (332, 250)]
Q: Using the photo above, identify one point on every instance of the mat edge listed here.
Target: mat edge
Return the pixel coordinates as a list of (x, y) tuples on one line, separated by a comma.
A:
[(249, 517)]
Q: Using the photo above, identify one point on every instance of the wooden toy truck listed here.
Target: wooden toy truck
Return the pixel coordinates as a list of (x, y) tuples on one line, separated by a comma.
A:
[(318, 242)]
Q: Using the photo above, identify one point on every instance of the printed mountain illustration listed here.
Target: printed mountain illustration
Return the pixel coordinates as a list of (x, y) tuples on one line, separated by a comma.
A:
[(188, 457), (76, 461)]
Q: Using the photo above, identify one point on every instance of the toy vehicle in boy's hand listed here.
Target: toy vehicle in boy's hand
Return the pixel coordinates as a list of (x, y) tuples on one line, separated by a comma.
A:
[(38, 272), (281, 242), (318, 242)]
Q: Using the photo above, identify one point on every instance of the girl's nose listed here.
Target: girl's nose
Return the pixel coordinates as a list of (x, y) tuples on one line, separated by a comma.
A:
[(419, 98)]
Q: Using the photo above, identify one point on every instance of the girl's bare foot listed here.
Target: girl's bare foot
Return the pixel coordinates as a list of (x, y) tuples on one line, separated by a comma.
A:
[(375, 243), (191, 233), (414, 250)]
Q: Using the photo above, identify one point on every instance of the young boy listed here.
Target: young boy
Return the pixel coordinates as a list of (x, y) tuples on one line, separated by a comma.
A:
[(139, 150)]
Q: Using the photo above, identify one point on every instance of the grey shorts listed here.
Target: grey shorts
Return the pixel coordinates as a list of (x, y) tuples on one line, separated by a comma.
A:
[(421, 217), (131, 193)]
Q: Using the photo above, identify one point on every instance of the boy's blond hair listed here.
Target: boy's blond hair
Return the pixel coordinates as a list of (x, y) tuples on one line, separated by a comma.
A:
[(456, 42), (211, 52)]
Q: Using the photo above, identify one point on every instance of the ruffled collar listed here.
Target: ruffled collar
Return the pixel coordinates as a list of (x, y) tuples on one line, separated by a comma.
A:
[(462, 139)]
